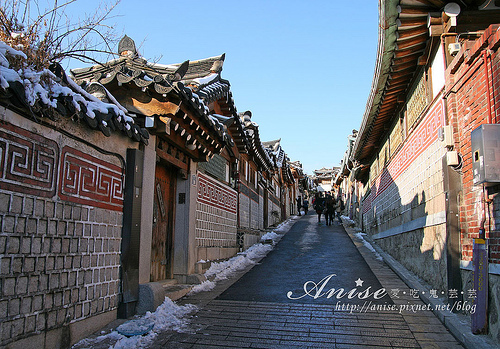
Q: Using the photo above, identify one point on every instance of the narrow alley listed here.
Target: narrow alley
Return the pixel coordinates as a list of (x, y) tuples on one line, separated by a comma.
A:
[(255, 311), (153, 173)]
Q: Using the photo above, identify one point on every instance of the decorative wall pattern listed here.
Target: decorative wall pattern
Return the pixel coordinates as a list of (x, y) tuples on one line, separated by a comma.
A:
[(216, 217), (422, 137), (28, 162), (60, 237), (89, 180), (211, 193)]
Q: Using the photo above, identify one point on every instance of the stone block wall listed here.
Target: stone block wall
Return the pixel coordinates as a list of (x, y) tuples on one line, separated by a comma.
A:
[(216, 217), (61, 205), (255, 214), (261, 209), (405, 210)]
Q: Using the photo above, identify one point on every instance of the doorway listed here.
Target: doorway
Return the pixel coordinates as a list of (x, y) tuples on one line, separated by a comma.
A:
[(163, 223)]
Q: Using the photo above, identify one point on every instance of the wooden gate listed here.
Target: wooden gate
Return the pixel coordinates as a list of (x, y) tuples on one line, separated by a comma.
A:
[(163, 223)]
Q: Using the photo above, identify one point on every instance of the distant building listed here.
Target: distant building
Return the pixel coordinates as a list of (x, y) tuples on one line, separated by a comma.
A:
[(324, 178)]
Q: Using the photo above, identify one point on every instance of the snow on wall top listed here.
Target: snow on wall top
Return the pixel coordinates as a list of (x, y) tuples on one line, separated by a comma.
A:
[(52, 93)]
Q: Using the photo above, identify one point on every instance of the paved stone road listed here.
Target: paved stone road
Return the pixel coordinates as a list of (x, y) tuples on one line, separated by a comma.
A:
[(308, 252), (244, 316)]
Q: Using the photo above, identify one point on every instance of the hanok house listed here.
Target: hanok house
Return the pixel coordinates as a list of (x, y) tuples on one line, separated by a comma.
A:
[(255, 169), (64, 175), (282, 182), (180, 215), (345, 181), (324, 177), (427, 149), (301, 183)]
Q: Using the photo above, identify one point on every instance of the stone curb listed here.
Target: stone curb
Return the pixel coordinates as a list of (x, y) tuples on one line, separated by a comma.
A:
[(459, 325)]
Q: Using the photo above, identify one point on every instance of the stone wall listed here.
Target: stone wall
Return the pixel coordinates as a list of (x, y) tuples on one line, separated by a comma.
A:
[(405, 209), (61, 205), (216, 219)]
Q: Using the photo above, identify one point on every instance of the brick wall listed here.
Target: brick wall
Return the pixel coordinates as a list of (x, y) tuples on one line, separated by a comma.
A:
[(467, 90), (467, 82), (61, 219)]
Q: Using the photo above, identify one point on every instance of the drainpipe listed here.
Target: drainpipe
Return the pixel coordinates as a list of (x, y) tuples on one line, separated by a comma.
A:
[(480, 260), (487, 58)]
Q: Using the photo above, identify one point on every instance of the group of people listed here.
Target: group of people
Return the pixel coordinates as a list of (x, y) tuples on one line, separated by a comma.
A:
[(328, 206), (325, 205)]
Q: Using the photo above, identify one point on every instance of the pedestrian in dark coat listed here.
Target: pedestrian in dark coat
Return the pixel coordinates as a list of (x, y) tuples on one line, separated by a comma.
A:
[(299, 204), (329, 209), (319, 206), (339, 207)]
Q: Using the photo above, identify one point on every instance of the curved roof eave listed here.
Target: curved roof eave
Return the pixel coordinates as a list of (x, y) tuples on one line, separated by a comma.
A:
[(388, 15)]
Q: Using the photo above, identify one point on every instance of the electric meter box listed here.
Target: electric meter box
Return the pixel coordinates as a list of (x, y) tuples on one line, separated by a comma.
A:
[(485, 142)]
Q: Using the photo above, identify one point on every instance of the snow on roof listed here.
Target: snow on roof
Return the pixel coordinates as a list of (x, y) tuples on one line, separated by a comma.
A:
[(274, 148), (205, 80), (50, 90)]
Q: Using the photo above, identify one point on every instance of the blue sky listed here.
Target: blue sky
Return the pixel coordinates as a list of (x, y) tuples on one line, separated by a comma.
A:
[(304, 68)]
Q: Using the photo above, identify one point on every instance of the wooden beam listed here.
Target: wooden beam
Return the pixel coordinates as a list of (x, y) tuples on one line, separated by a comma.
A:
[(406, 34), (414, 10), (411, 51), (437, 4), (169, 156), (476, 20), (396, 68), (183, 118), (410, 22), (436, 30), (176, 140), (136, 101), (407, 59), (413, 42)]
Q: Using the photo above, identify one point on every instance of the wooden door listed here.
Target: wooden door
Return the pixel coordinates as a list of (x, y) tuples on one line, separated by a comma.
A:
[(163, 223), (266, 207)]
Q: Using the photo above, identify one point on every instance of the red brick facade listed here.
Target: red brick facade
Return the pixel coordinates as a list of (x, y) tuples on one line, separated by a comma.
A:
[(473, 87)]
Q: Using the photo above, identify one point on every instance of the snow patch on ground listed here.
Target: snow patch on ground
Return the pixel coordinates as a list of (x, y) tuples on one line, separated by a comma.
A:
[(368, 245), (206, 285), (346, 220), (168, 316), (226, 269)]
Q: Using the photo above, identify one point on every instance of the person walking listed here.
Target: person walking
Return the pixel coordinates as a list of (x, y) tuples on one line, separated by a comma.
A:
[(329, 209), (319, 206), (339, 206), (299, 204), (305, 204)]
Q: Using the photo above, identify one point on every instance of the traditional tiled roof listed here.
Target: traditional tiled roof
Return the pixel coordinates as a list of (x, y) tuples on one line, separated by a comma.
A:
[(296, 168), (325, 173), (195, 83), (275, 151), (403, 47), (251, 130), (50, 93)]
